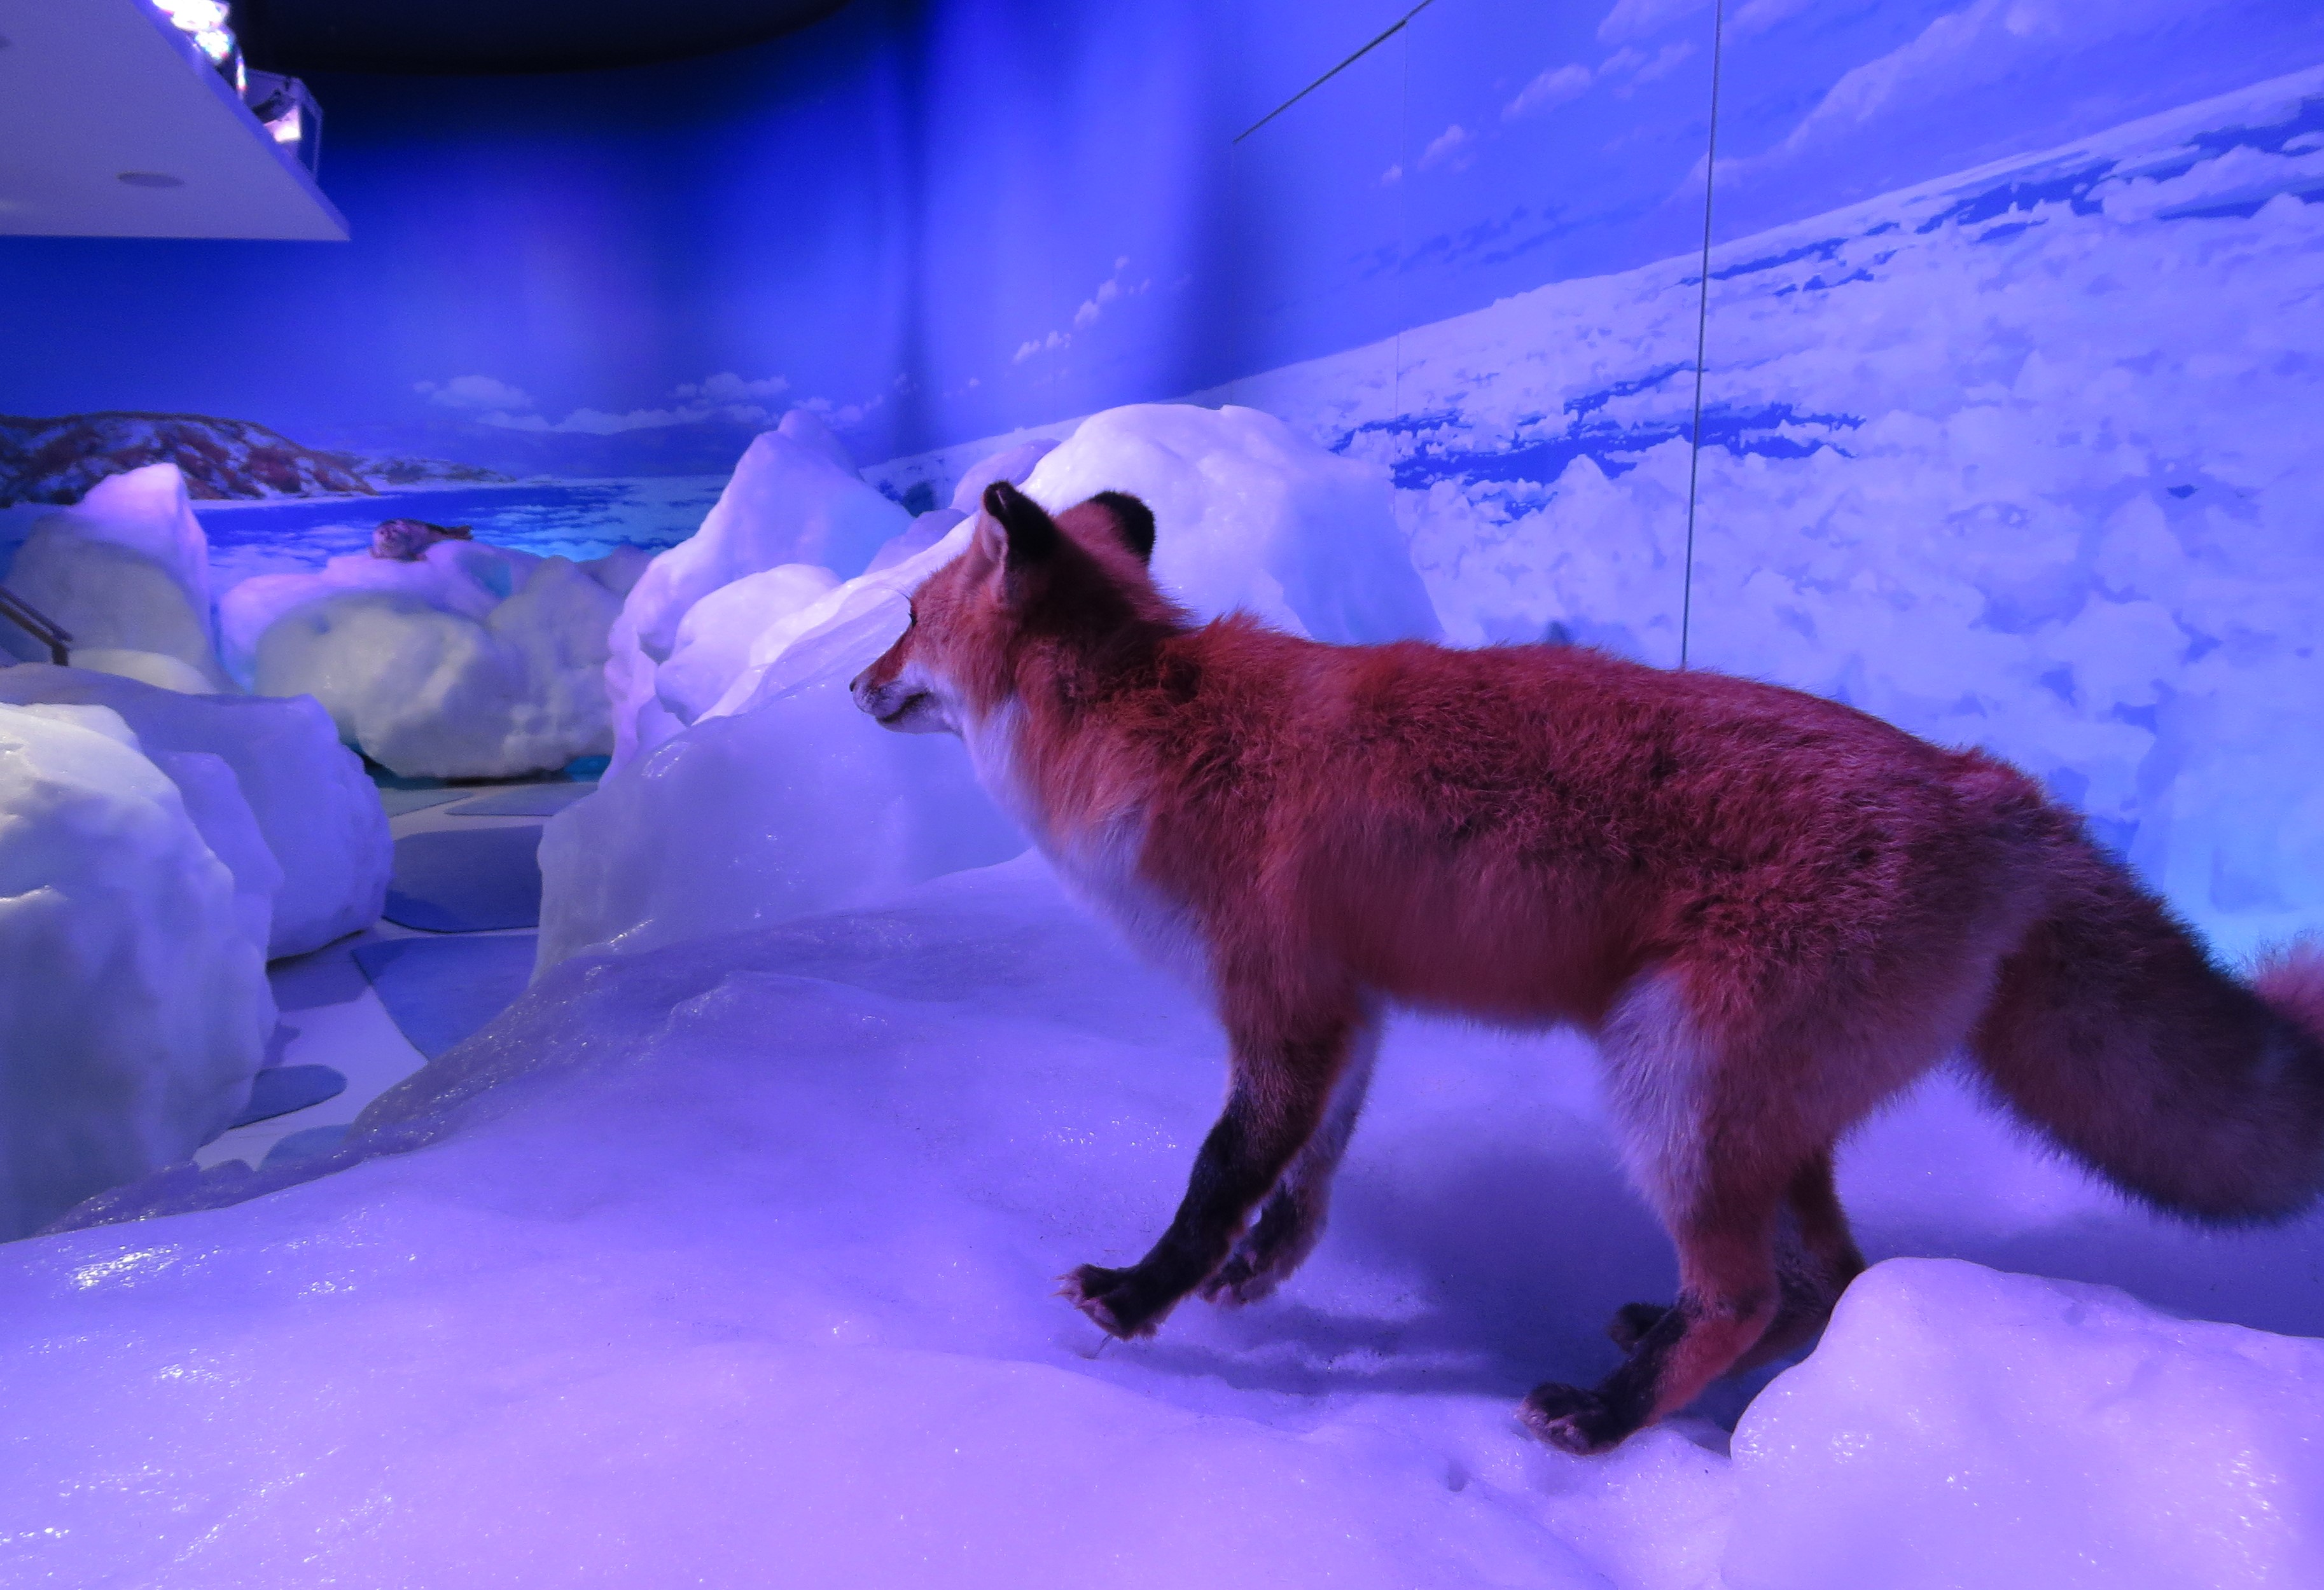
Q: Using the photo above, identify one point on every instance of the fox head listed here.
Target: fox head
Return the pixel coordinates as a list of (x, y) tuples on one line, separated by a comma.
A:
[(1030, 588)]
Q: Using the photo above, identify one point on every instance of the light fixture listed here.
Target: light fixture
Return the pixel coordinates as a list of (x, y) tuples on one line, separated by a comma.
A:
[(284, 104), (210, 25)]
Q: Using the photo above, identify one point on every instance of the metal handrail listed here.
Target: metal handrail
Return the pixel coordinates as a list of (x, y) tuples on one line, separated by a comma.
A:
[(38, 625)]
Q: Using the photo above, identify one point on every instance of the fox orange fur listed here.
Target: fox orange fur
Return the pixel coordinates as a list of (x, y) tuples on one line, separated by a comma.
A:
[(1772, 913)]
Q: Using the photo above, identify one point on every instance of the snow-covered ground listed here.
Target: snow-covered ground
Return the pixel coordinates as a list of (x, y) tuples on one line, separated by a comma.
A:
[(735, 1260)]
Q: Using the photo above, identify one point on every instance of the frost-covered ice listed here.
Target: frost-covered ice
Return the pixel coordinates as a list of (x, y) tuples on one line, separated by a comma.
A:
[(147, 668), (475, 661), (1958, 1426), (1250, 515), (133, 1002), (715, 637), (754, 790), (794, 499), (781, 799), (743, 1253), (127, 568), (320, 816)]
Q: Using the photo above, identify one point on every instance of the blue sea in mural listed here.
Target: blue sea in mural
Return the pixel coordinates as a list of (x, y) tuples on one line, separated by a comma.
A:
[(578, 519)]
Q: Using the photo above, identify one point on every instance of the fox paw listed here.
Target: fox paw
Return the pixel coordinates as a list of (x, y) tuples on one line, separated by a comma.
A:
[(1240, 1281), (1631, 1322), (1571, 1419), (1111, 1301)]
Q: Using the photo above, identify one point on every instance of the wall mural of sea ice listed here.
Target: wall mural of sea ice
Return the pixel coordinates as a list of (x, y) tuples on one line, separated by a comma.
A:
[(2013, 456)]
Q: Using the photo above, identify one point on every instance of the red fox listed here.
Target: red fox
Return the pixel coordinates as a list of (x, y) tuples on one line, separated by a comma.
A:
[(1771, 910)]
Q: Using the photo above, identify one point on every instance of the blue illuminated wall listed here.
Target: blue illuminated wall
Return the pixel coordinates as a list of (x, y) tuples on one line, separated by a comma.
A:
[(2010, 342)]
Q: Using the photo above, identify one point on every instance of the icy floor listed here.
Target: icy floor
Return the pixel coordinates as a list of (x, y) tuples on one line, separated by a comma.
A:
[(332, 1015), (732, 1264)]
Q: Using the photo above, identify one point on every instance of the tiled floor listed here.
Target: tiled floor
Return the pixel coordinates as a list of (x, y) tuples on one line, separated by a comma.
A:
[(331, 1014)]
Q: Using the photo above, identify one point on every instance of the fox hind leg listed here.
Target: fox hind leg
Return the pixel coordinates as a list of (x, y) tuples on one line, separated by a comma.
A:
[(1816, 1257), (1728, 1296)]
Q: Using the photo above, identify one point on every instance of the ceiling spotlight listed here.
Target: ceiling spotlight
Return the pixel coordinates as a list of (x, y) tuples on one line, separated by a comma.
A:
[(210, 23)]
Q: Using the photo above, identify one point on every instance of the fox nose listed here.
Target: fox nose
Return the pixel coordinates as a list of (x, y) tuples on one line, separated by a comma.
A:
[(865, 693)]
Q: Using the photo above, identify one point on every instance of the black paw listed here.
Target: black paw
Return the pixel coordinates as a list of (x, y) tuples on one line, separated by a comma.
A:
[(1111, 1299), (1572, 1420), (1631, 1322)]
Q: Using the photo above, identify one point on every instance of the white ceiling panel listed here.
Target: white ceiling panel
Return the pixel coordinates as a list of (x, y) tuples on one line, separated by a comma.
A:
[(113, 125)]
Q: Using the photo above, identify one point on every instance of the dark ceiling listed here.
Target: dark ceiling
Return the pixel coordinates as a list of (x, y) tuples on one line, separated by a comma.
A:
[(298, 36)]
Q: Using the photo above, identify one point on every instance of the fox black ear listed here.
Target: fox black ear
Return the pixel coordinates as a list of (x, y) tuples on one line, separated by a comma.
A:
[(1033, 535), (1133, 521)]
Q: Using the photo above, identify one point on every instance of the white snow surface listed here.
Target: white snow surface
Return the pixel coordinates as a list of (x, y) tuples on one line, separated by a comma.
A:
[(133, 1002), (1250, 515), (1960, 1426), (795, 498), (781, 799), (742, 1253), (318, 816), (127, 568), (477, 661)]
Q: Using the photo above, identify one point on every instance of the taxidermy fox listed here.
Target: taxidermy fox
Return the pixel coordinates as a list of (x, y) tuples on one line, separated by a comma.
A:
[(1772, 912)]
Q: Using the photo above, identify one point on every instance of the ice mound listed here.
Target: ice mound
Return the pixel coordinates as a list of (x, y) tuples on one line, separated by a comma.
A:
[(133, 999), (1249, 514), (1012, 465), (147, 668), (320, 816), (127, 568), (715, 636), (1960, 1426), (781, 799), (795, 498), (472, 661)]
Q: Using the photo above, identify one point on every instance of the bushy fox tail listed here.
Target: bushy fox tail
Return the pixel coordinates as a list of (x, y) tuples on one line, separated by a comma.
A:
[(2114, 1032)]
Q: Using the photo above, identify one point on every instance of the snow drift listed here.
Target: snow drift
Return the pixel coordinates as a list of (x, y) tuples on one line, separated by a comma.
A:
[(475, 661), (125, 570), (1960, 1426), (134, 1003), (318, 817)]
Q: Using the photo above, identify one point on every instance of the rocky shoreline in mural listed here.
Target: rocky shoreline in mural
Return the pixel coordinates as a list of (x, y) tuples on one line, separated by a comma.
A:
[(58, 460)]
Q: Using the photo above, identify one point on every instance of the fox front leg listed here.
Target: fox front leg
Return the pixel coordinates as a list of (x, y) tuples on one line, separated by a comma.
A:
[(1281, 1087), (1291, 1221)]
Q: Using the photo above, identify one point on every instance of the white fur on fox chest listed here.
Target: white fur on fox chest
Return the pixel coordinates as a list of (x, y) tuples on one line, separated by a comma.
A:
[(1099, 867)]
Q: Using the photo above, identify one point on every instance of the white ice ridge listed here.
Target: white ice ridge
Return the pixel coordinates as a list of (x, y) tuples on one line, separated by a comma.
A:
[(744, 1252), (285, 782), (133, 1002), (125, 571)]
